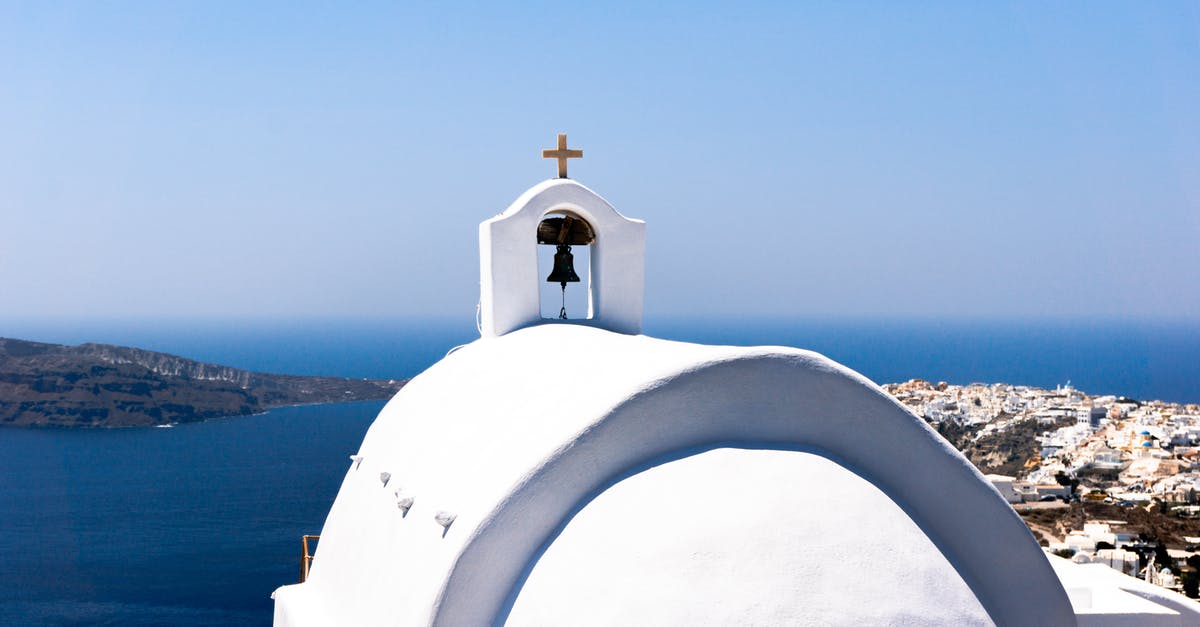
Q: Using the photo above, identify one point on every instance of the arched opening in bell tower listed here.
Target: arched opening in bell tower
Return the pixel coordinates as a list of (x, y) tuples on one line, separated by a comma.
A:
[(564, 256)]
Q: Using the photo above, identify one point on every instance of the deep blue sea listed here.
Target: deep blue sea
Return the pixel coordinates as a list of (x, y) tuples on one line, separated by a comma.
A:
[(197, 524)]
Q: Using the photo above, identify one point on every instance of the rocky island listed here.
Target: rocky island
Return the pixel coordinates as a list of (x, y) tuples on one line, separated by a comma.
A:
[(99, 385)]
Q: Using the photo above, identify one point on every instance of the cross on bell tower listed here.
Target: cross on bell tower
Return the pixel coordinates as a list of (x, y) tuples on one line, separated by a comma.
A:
[(562, 154)]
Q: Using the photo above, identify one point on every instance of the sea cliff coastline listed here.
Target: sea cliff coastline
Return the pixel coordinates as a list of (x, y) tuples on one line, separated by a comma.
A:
[(101, 385)]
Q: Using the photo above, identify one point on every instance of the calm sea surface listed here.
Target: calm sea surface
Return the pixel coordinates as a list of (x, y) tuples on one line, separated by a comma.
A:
[(197, 524)]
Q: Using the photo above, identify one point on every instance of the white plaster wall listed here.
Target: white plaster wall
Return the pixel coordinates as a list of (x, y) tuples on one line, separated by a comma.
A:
[(744, 537), (508, 261), (1005, 486), (496, 434)]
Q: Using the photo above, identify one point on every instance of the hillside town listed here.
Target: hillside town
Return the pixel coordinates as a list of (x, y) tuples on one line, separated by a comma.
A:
[(1099, 479)]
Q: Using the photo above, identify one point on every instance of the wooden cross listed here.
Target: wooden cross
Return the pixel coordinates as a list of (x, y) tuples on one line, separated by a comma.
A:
[(562, 154)]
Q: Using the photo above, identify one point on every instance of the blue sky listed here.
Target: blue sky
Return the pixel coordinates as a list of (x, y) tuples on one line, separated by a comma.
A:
[(940, 160)]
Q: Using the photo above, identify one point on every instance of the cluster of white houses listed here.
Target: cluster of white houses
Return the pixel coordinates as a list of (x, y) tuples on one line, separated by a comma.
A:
[(1016, 491), (1134, 451), (1118, 450)]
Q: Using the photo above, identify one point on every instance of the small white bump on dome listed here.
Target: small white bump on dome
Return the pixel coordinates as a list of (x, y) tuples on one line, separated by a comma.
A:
[(385, 477), (404, 502), (445, 519), (357, 459)]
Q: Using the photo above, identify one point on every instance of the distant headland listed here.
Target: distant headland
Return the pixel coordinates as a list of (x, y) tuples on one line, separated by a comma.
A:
[(100, 385)]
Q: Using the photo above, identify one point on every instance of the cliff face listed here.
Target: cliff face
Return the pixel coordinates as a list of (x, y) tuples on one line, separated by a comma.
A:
[(98, 385), (164, 364)]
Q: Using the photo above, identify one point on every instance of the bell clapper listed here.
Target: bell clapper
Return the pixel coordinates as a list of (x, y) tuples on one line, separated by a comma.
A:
[(562, 313)]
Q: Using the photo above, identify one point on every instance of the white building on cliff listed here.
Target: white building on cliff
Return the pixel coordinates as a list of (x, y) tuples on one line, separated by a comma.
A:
[(579, 473)]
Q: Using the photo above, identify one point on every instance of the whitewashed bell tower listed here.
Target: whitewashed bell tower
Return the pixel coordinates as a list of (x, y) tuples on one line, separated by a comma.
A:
[(508, 267)]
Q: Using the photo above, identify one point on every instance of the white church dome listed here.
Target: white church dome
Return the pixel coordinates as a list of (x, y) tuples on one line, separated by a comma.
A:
[(579, 473), (517, 449)]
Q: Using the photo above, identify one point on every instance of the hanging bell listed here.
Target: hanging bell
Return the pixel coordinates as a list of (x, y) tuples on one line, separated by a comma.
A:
[(564, 267)]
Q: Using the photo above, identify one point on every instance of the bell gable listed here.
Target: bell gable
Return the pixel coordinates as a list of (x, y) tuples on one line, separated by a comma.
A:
[(508, 269)]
